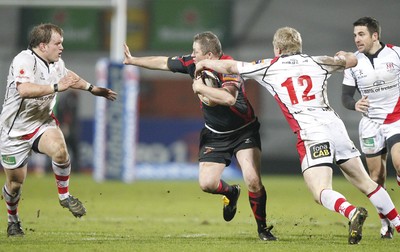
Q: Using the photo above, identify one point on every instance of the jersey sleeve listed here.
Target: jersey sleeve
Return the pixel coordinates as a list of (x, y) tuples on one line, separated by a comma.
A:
[(24, 66), (182, 64), (348, 100), (230, 80), (348, 78), (329, 64), (249, 69), (394, 48)]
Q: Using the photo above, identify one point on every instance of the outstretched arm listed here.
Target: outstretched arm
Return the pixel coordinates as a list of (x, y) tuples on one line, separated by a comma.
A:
[(348, 59), (220, 66), (84, 85), (150, 62)]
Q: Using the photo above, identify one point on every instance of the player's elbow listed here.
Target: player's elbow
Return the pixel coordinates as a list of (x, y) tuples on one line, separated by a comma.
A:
[(229, 100), (232, 70)]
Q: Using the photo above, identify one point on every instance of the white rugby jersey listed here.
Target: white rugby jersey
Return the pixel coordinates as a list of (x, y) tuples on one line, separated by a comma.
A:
[(298, 83), (380, 82), (23, 116)]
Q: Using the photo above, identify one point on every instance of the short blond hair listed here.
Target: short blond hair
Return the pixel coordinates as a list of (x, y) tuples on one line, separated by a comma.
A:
[(288, 40)]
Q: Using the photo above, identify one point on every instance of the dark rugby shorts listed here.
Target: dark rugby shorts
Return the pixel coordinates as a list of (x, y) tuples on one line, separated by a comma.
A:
[(219, 148)]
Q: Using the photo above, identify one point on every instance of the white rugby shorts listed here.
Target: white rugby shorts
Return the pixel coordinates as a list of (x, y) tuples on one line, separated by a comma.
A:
[(15, 151), (373, 136), (325, 144)]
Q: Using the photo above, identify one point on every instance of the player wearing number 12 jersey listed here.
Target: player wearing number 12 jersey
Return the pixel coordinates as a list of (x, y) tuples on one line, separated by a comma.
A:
[(298, 82)]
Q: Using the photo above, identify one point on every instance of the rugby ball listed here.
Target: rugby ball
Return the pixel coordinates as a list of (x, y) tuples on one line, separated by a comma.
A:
[(211, 80)]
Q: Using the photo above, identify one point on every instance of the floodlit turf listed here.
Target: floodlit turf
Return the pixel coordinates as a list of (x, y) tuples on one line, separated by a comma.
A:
[(177, 216)]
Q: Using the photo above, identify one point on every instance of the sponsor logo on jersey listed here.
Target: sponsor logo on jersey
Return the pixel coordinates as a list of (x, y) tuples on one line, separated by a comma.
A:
[(22, 74), (45, 98), (378, 87), (291, 62), (359, 74), (390, 66), (230, 77), (320, 150), (379, 82), (368, 142), (258, 62), (10, 160)]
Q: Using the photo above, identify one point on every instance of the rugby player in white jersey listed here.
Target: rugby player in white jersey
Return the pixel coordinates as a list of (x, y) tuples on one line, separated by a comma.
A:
[(377, 78), (28, 124), (298, 82)]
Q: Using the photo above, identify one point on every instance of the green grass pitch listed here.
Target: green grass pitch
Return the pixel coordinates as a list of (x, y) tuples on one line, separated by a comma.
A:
[(178, 216)]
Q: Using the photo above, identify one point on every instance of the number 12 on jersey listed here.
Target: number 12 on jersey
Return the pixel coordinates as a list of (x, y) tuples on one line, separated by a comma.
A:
[(303, 81)]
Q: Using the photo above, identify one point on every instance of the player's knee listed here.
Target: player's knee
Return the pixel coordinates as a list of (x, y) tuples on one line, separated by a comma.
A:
[(60, 154), (14, 187), (396, 165), (378, 178), (254, 185), (207, 186)]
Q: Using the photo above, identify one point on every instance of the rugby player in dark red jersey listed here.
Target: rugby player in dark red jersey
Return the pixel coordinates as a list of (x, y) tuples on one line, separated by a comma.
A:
[(231, 128)]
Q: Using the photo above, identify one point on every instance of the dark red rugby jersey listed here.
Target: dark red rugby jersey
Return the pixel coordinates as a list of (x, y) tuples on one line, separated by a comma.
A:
[(220, 118)]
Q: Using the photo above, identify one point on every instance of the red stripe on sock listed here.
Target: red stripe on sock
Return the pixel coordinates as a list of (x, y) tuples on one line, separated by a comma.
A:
[(61, 178), (374, 191), (12, 212), (338, 203), (62, 190), (348, 210), (382, 216), (219, 189), (392, 214), (12, 204), (257, 194)]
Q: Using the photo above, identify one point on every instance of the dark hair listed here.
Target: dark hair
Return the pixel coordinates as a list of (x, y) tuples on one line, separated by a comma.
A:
[(371, 23), (42, 34), (209, 42)]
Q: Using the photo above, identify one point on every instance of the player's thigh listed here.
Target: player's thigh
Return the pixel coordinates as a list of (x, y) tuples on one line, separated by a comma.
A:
[(357, 175), (51, 141), (395, 153), (250, 163), (318, 178), (376, 163), (249, 159)]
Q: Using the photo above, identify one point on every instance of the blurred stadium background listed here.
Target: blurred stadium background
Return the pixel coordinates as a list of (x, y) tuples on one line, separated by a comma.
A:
[(169, 117)]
